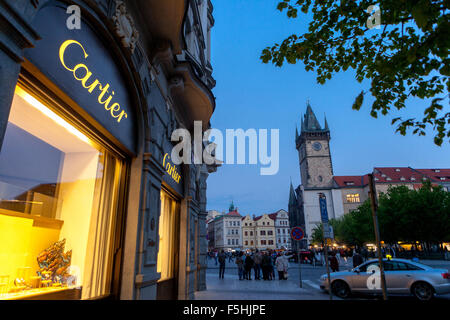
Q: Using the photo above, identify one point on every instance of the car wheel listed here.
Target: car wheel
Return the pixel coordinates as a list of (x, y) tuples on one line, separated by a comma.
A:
[(340, 289), (423, 291)]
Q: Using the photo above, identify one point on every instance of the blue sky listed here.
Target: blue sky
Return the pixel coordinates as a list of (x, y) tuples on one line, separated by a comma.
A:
[(251, 94)]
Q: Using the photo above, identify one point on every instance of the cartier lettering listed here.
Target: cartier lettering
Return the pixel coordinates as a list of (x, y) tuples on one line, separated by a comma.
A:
[(82, 73)]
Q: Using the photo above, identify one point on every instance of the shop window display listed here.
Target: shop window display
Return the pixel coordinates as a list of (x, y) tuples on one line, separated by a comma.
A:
[(59, 191)]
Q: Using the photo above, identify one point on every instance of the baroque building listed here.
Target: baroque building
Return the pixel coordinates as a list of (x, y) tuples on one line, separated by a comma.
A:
[(93, 90)]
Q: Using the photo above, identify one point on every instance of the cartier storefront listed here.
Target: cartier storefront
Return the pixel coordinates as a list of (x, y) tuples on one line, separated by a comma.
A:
[(91, 205), (69, 139)]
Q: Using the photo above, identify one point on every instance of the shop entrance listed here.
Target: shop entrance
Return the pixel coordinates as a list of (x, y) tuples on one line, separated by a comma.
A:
[(167, 264)]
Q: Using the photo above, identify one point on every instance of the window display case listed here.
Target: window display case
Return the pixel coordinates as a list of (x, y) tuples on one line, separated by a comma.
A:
[(59, 191)]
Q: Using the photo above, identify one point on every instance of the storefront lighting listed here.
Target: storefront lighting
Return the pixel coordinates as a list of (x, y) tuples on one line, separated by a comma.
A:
[(50, 114)]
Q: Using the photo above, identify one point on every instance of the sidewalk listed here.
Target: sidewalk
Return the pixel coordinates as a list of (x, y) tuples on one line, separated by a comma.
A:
[(231, 288)]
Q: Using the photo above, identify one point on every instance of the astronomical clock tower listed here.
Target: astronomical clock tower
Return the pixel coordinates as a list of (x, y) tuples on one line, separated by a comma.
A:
[(316, 171), (313, 147)]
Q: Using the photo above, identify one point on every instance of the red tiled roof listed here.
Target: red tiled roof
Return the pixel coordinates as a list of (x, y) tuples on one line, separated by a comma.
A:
[(273, 216), (436, 174), (395, 175), (234, 213), (270, 216), (351, 181)]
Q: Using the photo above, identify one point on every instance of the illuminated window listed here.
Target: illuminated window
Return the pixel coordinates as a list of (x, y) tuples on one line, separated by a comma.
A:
[(353, 197), (57, 188), (167, 236)]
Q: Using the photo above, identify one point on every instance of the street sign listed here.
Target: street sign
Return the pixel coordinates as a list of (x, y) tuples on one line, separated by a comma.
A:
[(297, 233), (326, 230), (323, 208)]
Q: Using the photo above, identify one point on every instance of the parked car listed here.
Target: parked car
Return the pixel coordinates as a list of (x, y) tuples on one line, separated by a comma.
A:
[(402, 277)]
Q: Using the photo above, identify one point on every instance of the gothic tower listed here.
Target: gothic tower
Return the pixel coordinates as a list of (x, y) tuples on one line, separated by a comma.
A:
[(313, 145)]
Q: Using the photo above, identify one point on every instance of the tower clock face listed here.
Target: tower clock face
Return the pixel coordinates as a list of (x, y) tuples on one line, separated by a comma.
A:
[(317, 146)]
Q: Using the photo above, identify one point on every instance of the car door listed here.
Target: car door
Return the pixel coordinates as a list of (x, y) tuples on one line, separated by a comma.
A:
[(397, 276), (364, 281)]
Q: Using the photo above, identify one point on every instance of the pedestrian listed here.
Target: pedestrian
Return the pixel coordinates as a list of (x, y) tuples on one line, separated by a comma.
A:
[(266, 266), (248, 265), (240, 264), (357, 259), (216, 256), (312, 257), (230, 257), (282, 266), (334, 263), (257, 259), (222, 259)]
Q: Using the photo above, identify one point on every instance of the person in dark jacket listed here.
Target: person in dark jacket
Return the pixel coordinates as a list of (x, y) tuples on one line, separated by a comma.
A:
[(357, 259), (334, 264), (248, 267), (222, 259), (266, 266)]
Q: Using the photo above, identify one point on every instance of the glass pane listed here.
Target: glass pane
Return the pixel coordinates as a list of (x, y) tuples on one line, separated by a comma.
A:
[(167, 239), (58, 195)]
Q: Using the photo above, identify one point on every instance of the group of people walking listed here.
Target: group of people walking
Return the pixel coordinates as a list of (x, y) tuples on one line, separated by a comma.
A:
[(262, 263)]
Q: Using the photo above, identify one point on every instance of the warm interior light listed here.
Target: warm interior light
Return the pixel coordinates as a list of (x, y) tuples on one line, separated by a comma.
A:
[(46, 111)]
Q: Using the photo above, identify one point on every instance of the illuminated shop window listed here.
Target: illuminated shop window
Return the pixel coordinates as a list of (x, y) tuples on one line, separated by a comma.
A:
[(58, 196), (353, 198), (167, 236)]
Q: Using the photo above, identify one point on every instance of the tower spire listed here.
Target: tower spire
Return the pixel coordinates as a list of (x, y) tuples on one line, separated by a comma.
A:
[(292, 196), (311, 123)]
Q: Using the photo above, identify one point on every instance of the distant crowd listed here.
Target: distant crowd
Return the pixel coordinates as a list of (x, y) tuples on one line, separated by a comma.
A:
[(262, 264), (259, 265)]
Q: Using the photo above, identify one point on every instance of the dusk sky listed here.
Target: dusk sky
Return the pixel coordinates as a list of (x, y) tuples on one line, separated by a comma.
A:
[(251, 94)]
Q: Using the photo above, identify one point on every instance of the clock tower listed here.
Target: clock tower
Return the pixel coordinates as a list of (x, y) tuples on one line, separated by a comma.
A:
[(313, 145)]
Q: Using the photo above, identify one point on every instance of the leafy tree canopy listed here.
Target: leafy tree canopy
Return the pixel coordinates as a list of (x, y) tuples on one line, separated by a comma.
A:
[(406, 57)]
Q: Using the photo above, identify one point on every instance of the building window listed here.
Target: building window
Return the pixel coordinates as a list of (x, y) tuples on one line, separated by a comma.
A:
[(251, 242), (56, 187), (270, 242), (245, 233), (246, 243), (353, 198), (262, 233), (229, 242), (270, 232), (251, 233), (263, 242)]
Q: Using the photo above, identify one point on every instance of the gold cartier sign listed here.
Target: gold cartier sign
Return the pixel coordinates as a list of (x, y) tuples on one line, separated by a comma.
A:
[(81, 73), (171, 169)]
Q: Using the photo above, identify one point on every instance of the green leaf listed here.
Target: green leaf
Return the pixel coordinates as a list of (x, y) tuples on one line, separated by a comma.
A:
[(358, 101)]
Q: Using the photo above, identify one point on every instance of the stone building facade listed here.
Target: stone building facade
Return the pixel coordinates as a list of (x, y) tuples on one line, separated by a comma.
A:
[(118, 86), (228, 231), (282, 229)]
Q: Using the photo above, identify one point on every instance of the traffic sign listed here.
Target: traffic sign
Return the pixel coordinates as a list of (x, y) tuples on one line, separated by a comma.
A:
[(297, 233)]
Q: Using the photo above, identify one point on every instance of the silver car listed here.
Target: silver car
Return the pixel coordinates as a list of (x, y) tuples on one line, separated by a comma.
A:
[(402, 277)]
